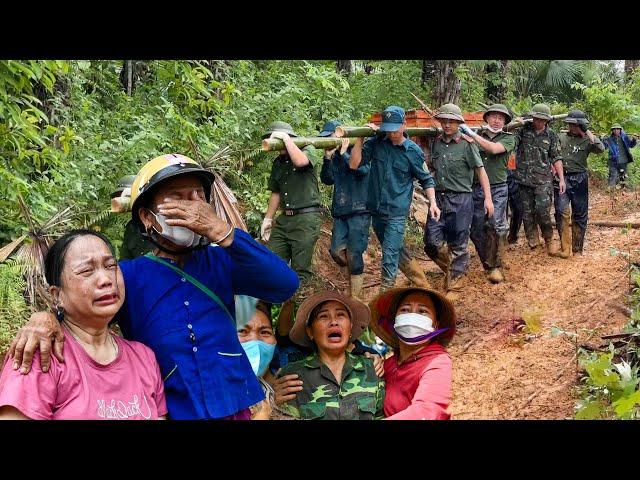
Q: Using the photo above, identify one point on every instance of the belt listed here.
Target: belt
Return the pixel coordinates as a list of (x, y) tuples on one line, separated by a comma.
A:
[(295, 211)]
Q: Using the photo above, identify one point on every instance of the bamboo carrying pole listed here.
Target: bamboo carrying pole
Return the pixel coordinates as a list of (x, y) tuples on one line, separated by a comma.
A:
[(345, 131), (274, 144), (353, 132)]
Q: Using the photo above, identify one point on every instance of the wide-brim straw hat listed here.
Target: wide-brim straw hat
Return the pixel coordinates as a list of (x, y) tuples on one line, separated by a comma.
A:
[(358, 312), (383, 314)]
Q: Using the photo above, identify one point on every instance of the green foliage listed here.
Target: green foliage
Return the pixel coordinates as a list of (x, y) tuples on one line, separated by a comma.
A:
[(13, 308), (610, 387)]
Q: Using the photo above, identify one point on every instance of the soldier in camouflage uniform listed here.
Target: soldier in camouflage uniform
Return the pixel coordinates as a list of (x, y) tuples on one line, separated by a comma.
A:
[(537, 149), (336, 385), (490, 235), (573, 206)]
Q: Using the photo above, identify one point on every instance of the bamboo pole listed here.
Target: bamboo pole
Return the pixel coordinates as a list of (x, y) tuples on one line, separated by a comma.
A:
[(512, 125), (352, 132), (345, 131), (274, 144)]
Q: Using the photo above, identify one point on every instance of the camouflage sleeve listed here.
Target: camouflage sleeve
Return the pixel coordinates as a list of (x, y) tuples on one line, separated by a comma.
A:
[(555, 154), (380, 401), (290, 407)]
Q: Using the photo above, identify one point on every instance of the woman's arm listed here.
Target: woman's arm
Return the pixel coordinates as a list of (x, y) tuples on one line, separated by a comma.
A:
[(8, 412), (433, 395)]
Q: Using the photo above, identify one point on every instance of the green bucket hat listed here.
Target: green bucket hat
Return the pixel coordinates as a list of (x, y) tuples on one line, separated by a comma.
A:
[(451, 111), (279, 127), (500, 108), (616, 125), (541, 110)]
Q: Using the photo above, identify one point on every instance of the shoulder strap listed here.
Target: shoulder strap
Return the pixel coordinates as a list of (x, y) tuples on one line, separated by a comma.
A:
[(193, 281)]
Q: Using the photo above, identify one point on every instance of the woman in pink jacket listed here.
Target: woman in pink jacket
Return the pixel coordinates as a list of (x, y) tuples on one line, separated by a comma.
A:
[(417, 323)]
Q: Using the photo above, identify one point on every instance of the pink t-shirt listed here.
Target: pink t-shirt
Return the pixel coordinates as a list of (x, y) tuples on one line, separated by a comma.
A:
[(129, 388)]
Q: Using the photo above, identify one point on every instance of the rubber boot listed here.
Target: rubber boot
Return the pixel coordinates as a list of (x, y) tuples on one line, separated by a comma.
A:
[(565, 240), (495, 276), (355, 286), (552, 248), (414, 272), (577, 238), (454, 288), (443, 260)]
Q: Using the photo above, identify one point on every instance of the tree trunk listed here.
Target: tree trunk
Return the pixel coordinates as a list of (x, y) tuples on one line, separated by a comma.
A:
[(629, 67), (133, 72), (428, 70), (344, 66), (447, 84), (496, 85)]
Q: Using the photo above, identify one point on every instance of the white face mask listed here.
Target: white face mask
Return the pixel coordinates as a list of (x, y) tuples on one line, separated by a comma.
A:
[(412, 326), (493, 130), (179, 235)]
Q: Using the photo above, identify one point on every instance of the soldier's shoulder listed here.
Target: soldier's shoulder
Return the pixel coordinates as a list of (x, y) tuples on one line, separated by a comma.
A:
[(413, 146)]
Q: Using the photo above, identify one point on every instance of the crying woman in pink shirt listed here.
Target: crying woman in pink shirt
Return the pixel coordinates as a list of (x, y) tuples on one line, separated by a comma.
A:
[(103, 377), (418, 324)]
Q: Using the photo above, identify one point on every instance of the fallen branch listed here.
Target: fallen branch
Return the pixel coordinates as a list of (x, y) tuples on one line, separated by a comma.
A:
[(606, 223)]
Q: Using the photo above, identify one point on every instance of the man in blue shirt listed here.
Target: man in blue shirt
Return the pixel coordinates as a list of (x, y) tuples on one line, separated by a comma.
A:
[(395, 161), (619, 145), (178, 301), (351, 219)]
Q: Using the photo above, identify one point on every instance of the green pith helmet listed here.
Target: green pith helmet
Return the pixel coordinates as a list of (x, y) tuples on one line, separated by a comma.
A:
[(498, 107), (279, 127), (541, 110), (616, 125), (451, 111), (576, 117), (123, 182)]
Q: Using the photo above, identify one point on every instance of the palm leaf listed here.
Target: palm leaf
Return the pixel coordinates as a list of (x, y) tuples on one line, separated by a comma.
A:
[(8, 249)]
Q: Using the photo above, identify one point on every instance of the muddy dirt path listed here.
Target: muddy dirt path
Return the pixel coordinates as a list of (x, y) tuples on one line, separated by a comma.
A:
[(497, 373)]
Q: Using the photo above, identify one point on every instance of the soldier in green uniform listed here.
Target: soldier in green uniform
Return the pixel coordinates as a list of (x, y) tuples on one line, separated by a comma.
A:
[(336, 385), (490, 235), (133, 243), (537, 149), (294, 190), (573, 206), (454, 159)]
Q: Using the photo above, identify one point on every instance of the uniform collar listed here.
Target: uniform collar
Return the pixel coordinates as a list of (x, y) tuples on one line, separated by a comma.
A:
[(354, 361), (456, 138)]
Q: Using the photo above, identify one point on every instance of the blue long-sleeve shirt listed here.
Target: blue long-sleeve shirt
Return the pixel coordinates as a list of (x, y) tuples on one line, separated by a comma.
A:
[(393, 168), (350, 187), (204, 367)]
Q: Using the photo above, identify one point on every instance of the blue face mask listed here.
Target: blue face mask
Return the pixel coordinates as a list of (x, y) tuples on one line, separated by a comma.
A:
[(260, 354)]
